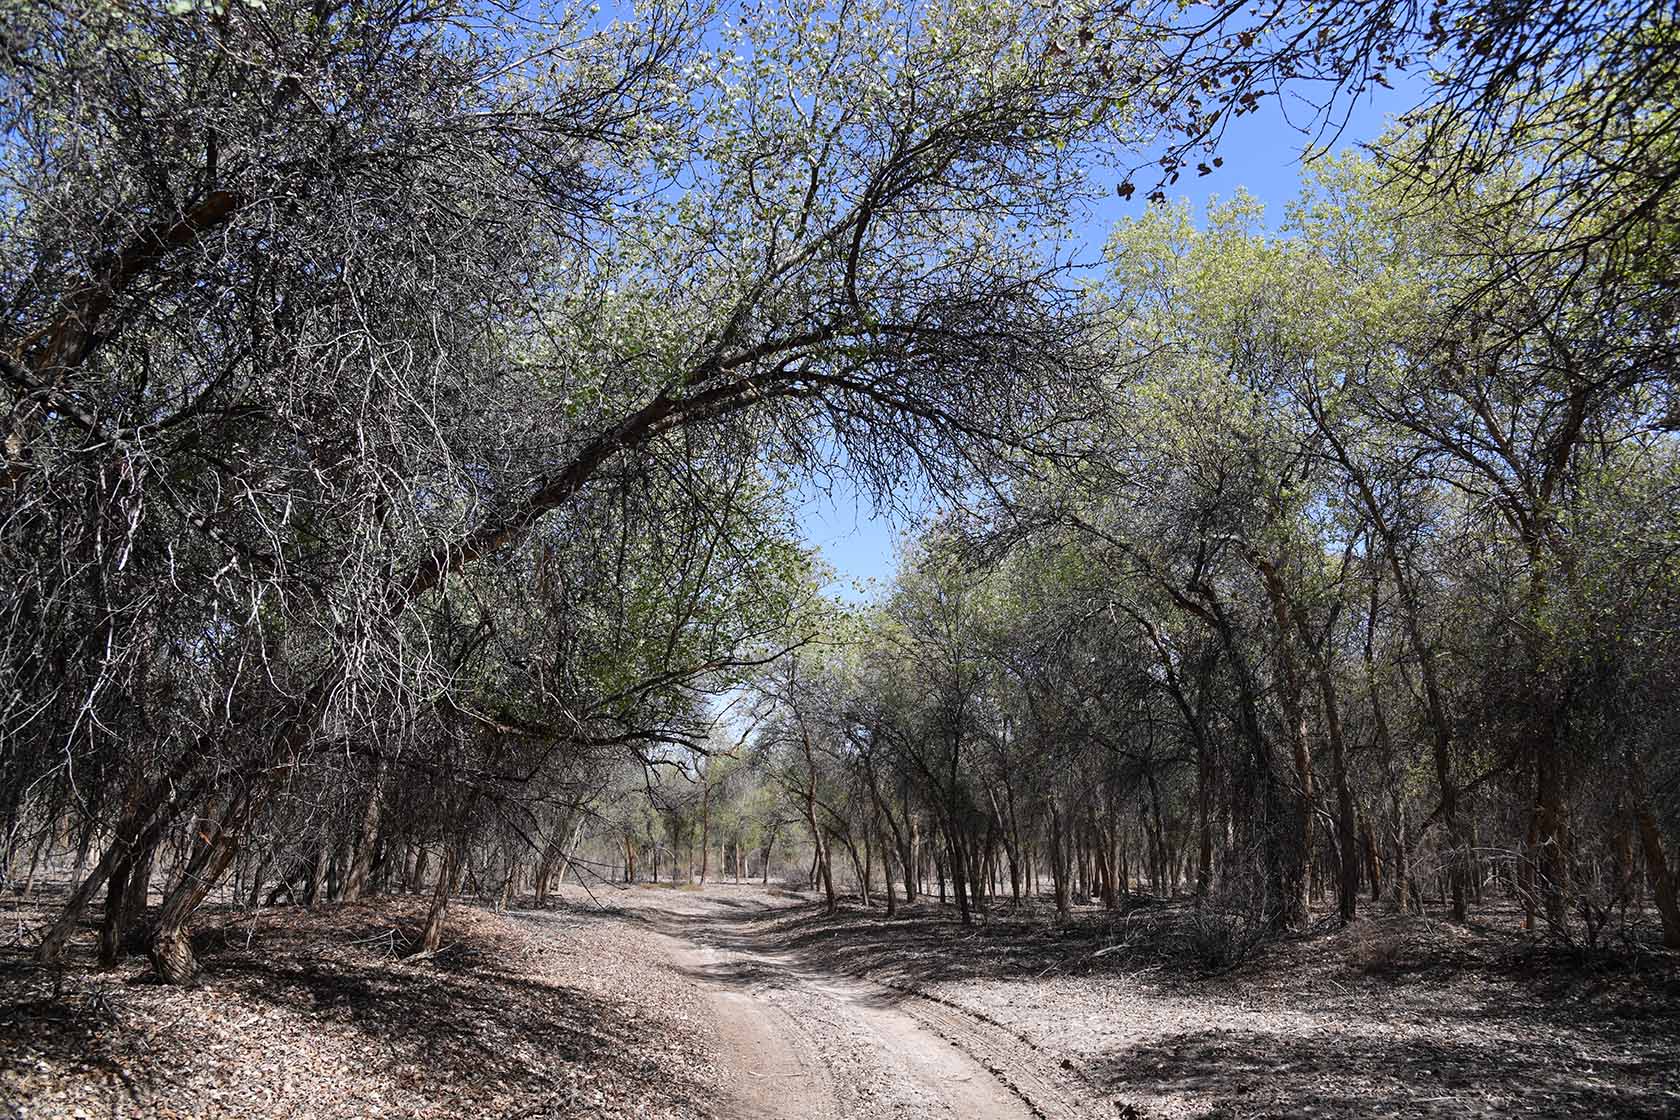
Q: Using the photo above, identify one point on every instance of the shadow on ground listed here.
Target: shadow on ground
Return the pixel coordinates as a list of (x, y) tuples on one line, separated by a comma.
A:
[(483, 1019), (1393, 1016), (1345, 1073)]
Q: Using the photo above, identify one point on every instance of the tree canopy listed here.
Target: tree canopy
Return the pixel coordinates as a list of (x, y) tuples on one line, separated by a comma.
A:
[(402, 402)]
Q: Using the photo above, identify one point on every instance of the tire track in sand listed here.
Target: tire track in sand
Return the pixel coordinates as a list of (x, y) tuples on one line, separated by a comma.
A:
[(807, 1042)]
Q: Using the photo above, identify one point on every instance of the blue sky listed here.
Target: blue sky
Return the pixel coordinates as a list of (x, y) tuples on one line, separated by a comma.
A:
[(1262, 154)]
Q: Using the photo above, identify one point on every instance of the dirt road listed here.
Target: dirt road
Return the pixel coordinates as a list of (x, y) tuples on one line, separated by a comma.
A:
[(621, 1003), (796, 1040)]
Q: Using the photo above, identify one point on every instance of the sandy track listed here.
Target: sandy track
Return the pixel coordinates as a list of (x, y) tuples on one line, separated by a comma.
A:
[(770, 1065), (796, 1040)]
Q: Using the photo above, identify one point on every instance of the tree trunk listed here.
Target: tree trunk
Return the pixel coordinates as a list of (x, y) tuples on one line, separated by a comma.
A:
[(976, 875), (553, 853), (1105, 869), (142, 829), (1347, 882), (1295, 730), (258, 877), (1204, 854), (1551, 828), (421, 858), (887, 871), (1373, 871), (825, 872), (125, 901), (367, 832), (1402, 858), (41, 841), (912, 858), (1525, 877), (817, 839), (431, 937), (859, 868), (1058, 859), (868, 867), (171, 949), (819, 845), (957, 869), (1657, 870), (568, 858), (1281, 832), (705, 827), (903, 844)]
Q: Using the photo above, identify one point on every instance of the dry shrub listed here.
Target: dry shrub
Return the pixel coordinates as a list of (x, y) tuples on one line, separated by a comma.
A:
[(1222, 939), (1377, 948)]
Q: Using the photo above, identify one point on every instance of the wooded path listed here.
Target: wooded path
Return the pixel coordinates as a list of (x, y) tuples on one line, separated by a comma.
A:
[(801, 1040)]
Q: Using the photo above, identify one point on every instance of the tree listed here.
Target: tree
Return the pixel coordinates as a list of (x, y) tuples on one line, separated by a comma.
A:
[(350, 311)]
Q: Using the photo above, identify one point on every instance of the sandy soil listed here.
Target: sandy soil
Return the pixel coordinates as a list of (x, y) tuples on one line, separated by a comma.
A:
[(1391, 1017), (797, 1039), (737, 1002), (643, 1002)]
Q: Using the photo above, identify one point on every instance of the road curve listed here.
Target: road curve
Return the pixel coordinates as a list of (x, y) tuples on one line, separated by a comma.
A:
[(798, 1041)]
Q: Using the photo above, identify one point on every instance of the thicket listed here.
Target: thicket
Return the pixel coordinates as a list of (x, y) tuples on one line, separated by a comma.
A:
[(401, 401)]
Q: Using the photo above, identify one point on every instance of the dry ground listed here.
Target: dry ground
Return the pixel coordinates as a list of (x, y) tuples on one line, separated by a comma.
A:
[(318, 1016), (738, 1002), (798, 1039), (1391, 1017)]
